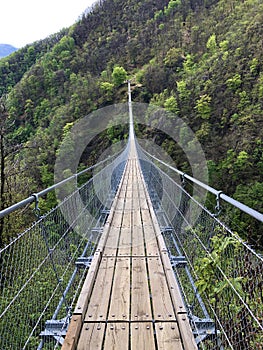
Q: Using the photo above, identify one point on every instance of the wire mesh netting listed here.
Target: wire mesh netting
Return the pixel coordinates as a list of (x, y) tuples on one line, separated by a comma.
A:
[(219, 274), (42, 270)]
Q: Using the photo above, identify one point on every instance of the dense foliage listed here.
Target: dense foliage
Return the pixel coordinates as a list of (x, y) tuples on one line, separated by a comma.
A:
[(200, 59)]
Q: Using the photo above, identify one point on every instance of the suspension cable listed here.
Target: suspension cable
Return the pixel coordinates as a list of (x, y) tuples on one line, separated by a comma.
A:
[(252, 212), (42, 193)]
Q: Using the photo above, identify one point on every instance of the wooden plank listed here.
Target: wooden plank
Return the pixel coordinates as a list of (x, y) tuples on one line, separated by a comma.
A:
[(173, 285), (120, 203), (140, 297), (161, 300), (72, 336), (143, 202), (136, 196), (112, 242), (160, 239), (117, 336), (128, 203), (113, 235), (117, 219), (129, 187), (168, 336), (136, 202), (92, 336), (126, 219), (137, 235), (99, 300), (186, 332), (129, 192), (120, 297), (142, 337), (86, 290), (124, 246), (151, 244), (152, 248)]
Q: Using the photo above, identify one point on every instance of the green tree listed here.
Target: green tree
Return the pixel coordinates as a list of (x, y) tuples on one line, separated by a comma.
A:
[(174, 57), (211, 44), (106, 86), (119, 75), (182, 89), (203, 106), (235, 82), (171, 105)]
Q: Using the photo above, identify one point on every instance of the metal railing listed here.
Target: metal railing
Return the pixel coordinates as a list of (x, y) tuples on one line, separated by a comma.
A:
[(220, 275), (42, 270)]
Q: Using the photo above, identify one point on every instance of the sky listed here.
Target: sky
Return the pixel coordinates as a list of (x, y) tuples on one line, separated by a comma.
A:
[(25, 21)]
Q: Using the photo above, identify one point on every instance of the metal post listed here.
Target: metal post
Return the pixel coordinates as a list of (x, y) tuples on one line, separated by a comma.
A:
[(131, 129)]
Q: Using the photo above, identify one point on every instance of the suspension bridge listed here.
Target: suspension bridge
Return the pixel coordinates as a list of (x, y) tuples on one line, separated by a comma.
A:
[(131, 260)]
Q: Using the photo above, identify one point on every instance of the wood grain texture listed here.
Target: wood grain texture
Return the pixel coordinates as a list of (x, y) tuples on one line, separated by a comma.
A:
[(99, 301), (168, 336), (117, 336), (142, 336), (140, 295), (92, 336), (120, 296), (162, 304)]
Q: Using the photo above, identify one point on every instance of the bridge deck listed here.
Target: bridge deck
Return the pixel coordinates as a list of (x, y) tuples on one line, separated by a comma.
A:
[(130, 298)]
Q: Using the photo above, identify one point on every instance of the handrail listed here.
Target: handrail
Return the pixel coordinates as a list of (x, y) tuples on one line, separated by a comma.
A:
[(220, 195), (34, 197)]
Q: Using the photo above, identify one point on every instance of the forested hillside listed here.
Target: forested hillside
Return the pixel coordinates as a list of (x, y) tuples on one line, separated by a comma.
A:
[(200, 59)]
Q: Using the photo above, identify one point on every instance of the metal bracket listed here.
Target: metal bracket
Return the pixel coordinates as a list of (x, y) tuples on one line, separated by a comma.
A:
[(166, 229), (97, 230), (218, 208), (105, 212), (36, 209), (84, 261), (203, 328), (56, 329), (183, 183), (178, 261)]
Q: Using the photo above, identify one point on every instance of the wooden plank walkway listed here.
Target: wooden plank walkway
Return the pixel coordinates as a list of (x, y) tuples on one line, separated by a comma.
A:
[(130, 298)]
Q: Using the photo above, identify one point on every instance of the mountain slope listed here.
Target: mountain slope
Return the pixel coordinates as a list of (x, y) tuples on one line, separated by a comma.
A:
[(205, 56), (6, 50)]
